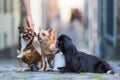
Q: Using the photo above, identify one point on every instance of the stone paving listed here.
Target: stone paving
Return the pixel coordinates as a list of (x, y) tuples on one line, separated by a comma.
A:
[(8, 72)]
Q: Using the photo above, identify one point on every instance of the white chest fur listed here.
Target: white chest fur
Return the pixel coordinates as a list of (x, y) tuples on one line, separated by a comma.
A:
[(23, 44), (59, 61)]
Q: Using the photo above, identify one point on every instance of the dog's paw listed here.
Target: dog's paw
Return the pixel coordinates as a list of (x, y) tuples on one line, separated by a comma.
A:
[(55, 69), (110, 72), (20, 56), (19, 70), (41, 69), (61, 69), (27, 70), (48, 69)]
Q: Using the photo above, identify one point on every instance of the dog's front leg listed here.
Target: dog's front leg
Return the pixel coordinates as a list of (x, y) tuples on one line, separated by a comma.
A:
[(49, 59), (20, 64), (20, 55), (19, 61), (43, 64), (64, 69)]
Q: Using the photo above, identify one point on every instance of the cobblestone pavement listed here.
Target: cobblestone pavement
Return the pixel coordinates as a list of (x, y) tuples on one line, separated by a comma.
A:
[(8, 72)]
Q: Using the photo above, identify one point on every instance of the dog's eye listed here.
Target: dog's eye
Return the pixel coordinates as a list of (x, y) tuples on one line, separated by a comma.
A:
[(30, 34), (24, 32), (43, 34)]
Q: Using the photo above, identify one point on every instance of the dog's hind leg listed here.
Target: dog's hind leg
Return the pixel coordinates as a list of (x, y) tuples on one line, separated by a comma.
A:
[(28, 68), (32, 67)]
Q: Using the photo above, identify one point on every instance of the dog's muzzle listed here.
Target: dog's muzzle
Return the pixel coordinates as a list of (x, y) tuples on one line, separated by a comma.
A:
[(39, 38), (26, 37)]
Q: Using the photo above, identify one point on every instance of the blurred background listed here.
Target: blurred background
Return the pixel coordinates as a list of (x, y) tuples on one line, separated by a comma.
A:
[(93, 25)]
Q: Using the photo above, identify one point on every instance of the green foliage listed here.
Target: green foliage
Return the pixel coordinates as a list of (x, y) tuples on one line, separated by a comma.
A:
[(82, 74), (98, 77)]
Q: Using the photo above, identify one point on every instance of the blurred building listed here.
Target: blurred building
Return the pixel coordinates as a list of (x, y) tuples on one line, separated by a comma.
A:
[(103, 27), (9, 21), (109, 28), (12, 15), (100, 25)]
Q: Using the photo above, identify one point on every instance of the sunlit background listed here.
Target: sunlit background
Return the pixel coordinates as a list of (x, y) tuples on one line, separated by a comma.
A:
[(93, 25)]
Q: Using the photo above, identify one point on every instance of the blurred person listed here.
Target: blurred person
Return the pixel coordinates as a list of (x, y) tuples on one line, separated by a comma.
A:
[(77, 30), (76, 15), (29, 20)]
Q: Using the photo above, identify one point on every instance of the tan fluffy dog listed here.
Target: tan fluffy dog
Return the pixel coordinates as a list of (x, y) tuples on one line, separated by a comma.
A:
[(47, 39)]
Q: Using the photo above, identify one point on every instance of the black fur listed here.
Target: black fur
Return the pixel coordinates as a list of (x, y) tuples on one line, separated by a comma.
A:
[(77, 61)]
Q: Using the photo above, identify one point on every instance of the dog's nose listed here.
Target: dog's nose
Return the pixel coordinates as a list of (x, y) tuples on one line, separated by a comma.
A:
[(38, 36), (27, 35)]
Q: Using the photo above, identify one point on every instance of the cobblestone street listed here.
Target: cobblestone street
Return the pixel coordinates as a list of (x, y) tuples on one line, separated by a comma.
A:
[(8, 72)]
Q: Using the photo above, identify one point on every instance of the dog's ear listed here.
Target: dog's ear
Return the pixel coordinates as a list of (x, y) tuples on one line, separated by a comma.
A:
[(21, 29), (69, 46), (65, 37), (53, 34), (68, 38), (50, 30)]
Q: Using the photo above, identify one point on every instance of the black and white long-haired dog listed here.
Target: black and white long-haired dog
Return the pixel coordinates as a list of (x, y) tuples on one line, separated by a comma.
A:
[(77, 61)]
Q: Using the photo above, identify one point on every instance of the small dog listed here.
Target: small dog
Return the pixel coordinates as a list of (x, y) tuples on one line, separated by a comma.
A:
[(26, 51), (47, 40), (77, 61)]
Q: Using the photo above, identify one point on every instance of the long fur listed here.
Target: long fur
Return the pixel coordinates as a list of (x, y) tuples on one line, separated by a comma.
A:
[(47, 40), (77, 61), (27, 52)]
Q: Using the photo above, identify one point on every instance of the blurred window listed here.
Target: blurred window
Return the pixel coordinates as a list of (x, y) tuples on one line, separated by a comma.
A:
[(0, 40), (110, 17), (11, 6), (109, 20), (5, 40), (5, 6), (1, 6)]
